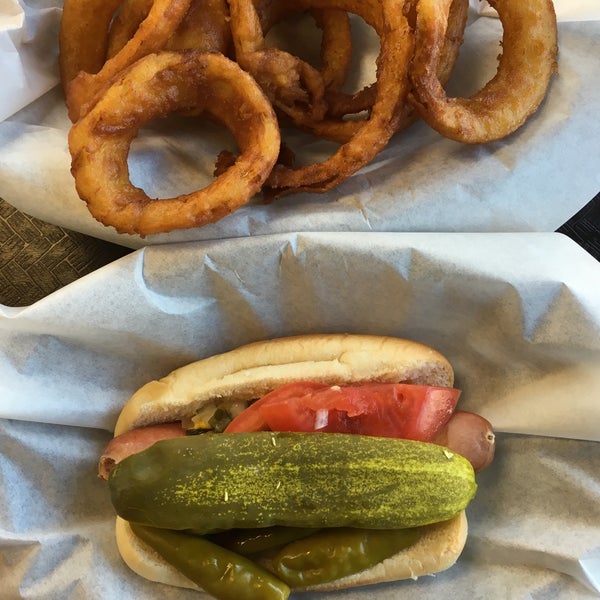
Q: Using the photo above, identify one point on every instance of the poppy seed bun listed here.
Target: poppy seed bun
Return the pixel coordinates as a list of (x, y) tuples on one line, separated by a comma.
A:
[(251, 371)]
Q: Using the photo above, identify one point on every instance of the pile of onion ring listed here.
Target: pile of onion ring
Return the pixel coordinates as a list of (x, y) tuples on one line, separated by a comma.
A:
[(125, 63)]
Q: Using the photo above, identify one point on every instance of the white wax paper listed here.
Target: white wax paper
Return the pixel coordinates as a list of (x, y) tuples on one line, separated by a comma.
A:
[(518, 315), (534, 180)]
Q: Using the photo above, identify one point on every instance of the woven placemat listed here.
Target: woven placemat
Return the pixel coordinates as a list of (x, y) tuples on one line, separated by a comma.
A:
[(37, 258)]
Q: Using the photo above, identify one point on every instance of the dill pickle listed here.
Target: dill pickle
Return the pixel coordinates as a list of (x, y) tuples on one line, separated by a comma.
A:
[(335, 553), (248, 542), (215, 482), (220, 572)]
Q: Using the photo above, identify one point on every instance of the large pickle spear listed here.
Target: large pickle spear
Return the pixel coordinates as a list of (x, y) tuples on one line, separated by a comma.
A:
[(214, 482)]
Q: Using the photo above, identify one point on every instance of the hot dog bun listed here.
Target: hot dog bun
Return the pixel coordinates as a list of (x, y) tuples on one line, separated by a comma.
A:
[(255, 369), (438, 549)]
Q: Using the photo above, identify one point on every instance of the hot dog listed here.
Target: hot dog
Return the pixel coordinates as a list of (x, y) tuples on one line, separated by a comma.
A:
[(339, 372)]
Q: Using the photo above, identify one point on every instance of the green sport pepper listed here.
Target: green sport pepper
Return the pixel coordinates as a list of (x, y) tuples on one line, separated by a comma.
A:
[(220, 572), (334, 553), (249, 542)]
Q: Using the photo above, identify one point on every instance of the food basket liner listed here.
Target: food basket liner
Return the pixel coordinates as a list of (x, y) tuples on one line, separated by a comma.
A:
[(534, 180), (518, 315)]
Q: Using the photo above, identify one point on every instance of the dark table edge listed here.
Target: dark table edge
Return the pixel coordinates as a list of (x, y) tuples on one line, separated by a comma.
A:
[(584, 227)]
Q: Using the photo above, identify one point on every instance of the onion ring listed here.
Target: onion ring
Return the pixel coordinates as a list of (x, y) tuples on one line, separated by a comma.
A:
[(336, 43), (153, 87), (525, 67), (295, 87), (336, 127), (205, 27), (152, 34), (82, 37), (336, 46), (127, 62), (396, 47), (453, 38)]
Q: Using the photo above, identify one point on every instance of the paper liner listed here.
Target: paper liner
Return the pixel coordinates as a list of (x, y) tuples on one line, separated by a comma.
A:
[(518, 315), (534, 180)]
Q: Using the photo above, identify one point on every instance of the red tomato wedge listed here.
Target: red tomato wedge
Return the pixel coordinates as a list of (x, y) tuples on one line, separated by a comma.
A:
[(402, 410)]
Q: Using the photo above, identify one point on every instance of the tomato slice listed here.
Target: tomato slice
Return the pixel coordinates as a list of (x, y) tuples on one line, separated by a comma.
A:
[(252, 420), (415, 412)]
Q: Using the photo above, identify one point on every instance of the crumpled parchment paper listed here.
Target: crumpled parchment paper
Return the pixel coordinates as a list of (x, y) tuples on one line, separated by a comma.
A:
[(535, 180), (518, 315)]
